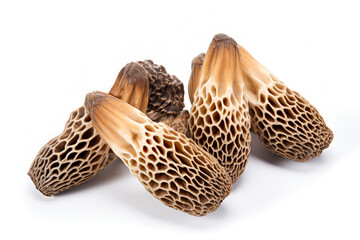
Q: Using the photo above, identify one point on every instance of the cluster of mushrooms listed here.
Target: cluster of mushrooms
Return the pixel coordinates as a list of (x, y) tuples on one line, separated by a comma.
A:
[(187, 160)]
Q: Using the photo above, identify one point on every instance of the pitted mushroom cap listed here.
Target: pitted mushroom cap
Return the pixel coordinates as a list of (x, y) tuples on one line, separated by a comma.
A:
[(286, 123), (78, 153), (219, 118), (170, 166)]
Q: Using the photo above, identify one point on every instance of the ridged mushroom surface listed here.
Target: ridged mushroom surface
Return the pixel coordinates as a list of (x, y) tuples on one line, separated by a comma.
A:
[(219, 118), (166, 92), (73, 157), (286, 123), (79, 153), (170, 166)]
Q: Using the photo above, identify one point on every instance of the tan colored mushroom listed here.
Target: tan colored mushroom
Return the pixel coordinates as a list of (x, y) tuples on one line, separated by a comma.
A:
[(79, 153), (219, 118), (196, 65), (132, 86), (286, 123), (170, 166)]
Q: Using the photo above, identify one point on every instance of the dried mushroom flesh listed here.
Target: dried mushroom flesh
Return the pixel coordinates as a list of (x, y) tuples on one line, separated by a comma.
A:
[(177, 122), (219, 118), (71, 158), (286, 123), (170, 166), (79, 153), (166, 92), (132, 86), (196, 65), (166, 101)]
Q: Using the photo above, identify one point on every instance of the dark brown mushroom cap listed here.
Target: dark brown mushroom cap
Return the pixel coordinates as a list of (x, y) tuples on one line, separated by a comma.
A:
[(166, 91)]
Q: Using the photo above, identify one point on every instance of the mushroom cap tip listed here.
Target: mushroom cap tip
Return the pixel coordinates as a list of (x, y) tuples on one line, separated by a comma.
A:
[(135, 72), (93, 98), (220, 37), (198, 60)]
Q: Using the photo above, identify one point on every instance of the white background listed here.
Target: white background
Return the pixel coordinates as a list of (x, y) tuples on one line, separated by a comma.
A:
[(52, 54)]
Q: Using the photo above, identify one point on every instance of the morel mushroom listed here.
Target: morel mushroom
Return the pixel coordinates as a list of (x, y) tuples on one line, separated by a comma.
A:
[(166, 92), (219, 118), (132, 86), (166, 101), (170, 166), (196, 65), (79, 153), (286, 123)]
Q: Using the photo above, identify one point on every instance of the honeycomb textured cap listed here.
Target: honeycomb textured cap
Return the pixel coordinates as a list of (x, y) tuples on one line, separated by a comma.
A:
[(286, 123), (219, 118), (79, 153), (170, 166), (73, 157), (166, 91)]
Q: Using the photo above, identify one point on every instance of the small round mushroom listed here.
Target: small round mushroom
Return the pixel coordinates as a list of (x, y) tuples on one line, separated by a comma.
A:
[(169, 165), (219, 116)]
